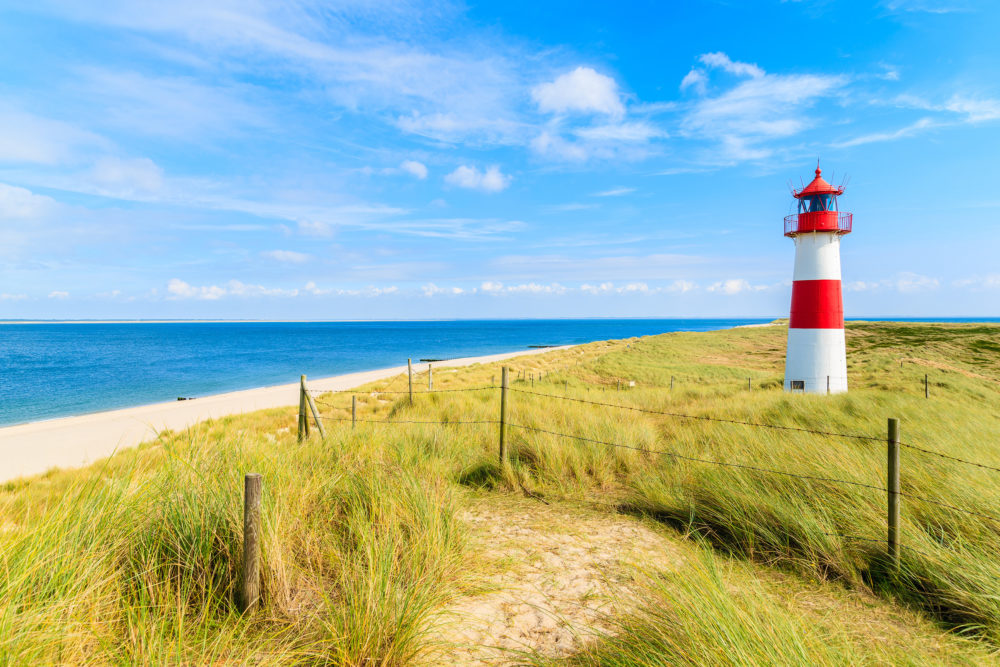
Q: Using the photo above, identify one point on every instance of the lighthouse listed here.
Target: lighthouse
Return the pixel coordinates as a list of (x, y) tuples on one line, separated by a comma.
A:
[(816, 359)]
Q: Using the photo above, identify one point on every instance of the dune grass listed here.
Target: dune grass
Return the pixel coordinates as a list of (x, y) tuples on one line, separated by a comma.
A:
[(135, 559)]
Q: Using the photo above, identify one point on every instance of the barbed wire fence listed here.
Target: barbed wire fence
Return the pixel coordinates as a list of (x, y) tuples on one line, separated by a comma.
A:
[(308, 401)]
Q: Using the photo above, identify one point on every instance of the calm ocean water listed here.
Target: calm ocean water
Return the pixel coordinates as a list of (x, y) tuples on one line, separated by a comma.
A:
[(56, 370)]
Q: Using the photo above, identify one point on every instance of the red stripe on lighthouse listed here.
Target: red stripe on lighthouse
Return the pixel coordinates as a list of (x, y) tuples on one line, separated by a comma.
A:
[(817, 304)]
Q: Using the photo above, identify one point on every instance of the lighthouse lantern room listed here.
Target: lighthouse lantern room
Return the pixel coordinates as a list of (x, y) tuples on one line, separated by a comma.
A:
[(816, 360)]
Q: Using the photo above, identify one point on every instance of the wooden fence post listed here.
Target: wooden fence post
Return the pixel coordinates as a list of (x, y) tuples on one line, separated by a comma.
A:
[(354, 410), (312, 408), (893, 487), (250, 583), (503, 416), (827, 385), (749, 386), (303, 423), (430, 378), (409, 374), (671, 383), (927, 391)]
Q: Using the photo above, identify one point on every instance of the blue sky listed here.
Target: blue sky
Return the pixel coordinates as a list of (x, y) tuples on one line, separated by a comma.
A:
[(344, 160)]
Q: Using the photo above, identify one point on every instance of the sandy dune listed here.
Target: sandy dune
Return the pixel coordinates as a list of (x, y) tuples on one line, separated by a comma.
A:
[(29, 449)]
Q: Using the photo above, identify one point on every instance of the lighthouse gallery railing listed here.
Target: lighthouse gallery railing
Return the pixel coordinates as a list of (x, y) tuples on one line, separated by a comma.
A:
[(808, 223)]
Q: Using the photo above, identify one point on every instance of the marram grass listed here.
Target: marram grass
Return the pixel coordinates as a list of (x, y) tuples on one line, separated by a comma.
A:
[(136, 559)]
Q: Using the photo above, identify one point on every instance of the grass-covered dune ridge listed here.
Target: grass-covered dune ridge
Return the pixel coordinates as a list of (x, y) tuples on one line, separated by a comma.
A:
[(136, 559)]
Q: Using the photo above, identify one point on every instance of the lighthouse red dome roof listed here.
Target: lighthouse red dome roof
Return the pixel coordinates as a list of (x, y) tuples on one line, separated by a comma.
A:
[(818, 186)]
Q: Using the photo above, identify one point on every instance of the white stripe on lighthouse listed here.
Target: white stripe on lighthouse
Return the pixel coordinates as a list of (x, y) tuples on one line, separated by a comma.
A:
[(817, 357), (817, 256), (813, 356)]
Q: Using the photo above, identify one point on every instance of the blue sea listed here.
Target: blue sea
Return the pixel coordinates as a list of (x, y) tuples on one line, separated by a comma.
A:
[(50, 370)]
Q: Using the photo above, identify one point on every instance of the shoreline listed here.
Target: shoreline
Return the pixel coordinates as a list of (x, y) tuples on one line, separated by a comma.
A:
[(71, 442)]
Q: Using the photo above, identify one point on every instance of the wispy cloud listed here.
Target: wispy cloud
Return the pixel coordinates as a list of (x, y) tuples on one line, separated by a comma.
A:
[(490, 180), (287, 256), (179, 289), (18, 203), (614, 192), (903, 132), (745, 119)]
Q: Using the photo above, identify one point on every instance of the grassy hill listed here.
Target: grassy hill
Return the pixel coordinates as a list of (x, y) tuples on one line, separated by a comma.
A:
[(628, 543)]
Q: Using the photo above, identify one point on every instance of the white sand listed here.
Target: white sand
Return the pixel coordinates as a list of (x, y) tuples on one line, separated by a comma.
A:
[(29, 449)]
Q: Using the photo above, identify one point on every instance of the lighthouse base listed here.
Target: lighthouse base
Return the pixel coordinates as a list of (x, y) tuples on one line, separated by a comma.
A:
[(816, 361)]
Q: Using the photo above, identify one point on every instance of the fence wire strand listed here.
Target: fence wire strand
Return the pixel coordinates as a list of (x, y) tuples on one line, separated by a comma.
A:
[(855, 436), (676, 455), (698, 460)]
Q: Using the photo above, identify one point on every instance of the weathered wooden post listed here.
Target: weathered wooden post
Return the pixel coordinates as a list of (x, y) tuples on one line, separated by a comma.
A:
[(503, 416), (927, 391), (430, 378), (250, 582), (409, 374), (828, 385), (893, 487), (354, 410), (671, 383), (302, 400), (312, 408), (303, 420), (749, 386)]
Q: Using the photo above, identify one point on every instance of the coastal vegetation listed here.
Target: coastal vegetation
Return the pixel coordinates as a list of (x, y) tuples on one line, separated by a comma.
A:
[(385, 542)]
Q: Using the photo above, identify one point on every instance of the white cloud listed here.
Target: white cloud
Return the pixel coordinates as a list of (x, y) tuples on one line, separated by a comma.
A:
[(371, 291), (26, 138), (722, 61), (735, 286), (315, 228), (21, 204), (681, 286), (906, 282), (491, 180), (914, 282), (614, 192), (430, 289), (289, 256), (909, 130), (974, 110), (552, 145), (633, 132), (990, 282), (178, 289), (491, 287), (56, 294), (121, 177), (415, 168), (13, 297), (603, 288), (744, 118), (695, 78), (582, 90)]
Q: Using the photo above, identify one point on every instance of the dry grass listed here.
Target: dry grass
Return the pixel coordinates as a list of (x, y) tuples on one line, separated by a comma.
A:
[(133, 560)]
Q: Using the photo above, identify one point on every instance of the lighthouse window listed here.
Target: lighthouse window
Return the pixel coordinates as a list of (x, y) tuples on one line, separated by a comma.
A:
[(818, 203)]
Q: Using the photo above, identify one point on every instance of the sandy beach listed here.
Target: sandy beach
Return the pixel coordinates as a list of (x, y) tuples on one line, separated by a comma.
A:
[(68, 442)]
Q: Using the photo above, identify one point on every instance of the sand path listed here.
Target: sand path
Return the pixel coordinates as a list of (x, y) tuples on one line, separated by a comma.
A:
[(558, 575), (29, 449)]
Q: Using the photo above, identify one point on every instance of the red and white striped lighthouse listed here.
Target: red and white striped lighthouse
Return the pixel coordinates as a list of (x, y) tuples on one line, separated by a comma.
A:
[(816, 360)]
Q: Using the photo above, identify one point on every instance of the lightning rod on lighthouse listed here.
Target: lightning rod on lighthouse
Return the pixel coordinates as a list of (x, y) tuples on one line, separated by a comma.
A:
[(816, 360)]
